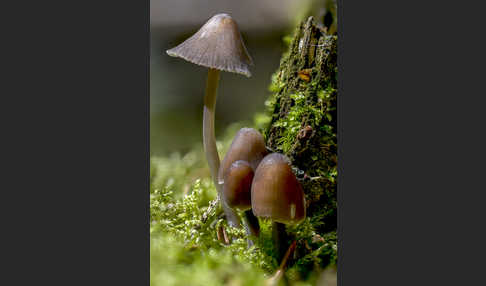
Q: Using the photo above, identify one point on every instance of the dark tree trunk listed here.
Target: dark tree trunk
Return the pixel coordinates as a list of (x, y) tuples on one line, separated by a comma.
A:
[(303, 124)]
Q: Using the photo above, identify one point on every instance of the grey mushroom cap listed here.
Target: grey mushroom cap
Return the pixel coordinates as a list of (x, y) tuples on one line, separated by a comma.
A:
[(218, 45)]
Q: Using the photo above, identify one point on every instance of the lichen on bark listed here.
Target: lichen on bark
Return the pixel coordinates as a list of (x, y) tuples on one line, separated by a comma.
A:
[(303, 119)]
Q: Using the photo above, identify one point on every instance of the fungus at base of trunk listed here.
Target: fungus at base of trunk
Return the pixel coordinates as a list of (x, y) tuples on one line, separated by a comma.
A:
[(277, 195)]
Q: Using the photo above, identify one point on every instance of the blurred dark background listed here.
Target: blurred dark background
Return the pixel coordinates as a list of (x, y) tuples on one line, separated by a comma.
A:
[(177, 87)]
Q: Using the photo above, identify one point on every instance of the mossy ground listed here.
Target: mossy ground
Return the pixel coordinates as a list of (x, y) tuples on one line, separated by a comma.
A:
[(185, 216), (184, 220)]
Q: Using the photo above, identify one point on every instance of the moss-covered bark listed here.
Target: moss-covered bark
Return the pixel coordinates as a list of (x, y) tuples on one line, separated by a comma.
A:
[(303, 123), (184, 215)]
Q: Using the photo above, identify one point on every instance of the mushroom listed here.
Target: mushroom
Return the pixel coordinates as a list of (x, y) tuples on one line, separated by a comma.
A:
[(218, 46), (237, 194), (248, 146), (276, 194), (237, 189)]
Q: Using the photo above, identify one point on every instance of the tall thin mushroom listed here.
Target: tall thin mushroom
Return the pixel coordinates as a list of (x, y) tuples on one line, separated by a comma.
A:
[(218, 46)]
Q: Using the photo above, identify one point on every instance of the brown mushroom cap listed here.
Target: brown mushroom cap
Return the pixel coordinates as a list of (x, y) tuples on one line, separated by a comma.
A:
[(237, 186), (248, 145), (218, 45), (275, 192)]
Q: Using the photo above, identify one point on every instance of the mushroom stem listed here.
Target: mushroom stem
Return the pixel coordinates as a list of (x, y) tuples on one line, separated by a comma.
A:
[(209, 139), (251, 225), (280, 271), (279, 235)]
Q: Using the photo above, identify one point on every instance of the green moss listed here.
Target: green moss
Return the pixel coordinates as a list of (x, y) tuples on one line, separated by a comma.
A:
[(174, 263), (184, 218), (183, 227)]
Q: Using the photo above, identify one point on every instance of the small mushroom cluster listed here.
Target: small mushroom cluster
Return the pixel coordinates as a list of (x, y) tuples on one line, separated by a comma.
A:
[(262, 185)]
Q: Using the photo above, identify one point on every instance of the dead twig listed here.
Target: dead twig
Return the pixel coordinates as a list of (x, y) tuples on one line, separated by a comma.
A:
[(281, 269)]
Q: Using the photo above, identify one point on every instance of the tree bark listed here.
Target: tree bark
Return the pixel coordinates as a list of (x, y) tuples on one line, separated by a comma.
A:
[(304, 122)]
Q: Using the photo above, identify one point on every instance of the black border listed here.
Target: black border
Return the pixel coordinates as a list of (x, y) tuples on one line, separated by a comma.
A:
[(75, 115), (340, 140), (410, 110), (75, 143)]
